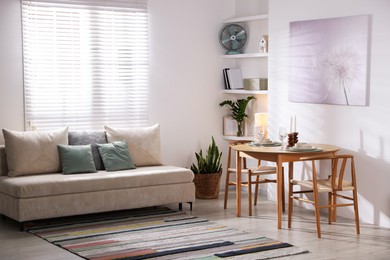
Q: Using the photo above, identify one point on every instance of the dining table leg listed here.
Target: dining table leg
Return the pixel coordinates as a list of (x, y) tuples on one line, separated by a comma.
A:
[(279, 179), (238, 184)]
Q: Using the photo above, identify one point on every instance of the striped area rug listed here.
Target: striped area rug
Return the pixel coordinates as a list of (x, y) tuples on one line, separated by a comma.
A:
[(157, 233)]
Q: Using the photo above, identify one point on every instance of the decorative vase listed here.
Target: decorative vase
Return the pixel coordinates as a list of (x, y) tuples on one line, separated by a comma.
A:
[(240, 128), (207, 185)]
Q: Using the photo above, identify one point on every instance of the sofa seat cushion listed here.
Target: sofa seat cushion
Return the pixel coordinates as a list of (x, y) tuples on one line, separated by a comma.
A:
[(57, 184)]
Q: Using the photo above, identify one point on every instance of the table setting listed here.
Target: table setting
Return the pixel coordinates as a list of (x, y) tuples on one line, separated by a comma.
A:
[(260, 137), (279, 152)]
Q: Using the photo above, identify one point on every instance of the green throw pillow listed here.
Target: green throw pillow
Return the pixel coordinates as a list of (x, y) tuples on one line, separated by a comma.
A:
[(76, 158), (116, 156)]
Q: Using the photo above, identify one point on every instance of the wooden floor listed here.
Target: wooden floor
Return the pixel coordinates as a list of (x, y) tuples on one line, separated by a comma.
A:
[(339, 240)]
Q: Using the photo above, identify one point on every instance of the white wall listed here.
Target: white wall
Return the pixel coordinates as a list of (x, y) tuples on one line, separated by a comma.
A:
[(362, 131), (11, 70), (185, 75)]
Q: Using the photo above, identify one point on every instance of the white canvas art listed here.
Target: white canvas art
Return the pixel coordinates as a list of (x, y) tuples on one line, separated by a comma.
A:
[(329, 61)]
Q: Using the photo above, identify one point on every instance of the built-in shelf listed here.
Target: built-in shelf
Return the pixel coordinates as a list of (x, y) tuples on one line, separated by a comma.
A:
[(246, 18), (245, 92), (246, 55), (250, 62)]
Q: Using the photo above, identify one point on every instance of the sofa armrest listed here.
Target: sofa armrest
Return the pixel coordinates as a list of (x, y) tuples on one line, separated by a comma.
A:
[(3, 161)]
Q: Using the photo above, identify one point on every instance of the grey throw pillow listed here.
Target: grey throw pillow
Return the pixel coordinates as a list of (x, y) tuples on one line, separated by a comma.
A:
[(116, 156), (76, 158), (92, 138)]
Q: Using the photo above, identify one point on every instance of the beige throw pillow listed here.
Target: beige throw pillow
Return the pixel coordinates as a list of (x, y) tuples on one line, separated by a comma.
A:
[(33, 152), (143, 143)]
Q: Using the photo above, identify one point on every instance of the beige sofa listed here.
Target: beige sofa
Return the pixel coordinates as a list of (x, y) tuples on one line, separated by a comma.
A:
[(49, 195)]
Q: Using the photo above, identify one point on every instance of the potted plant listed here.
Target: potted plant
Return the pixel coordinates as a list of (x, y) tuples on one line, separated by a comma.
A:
[(207, 172), (238, 111)]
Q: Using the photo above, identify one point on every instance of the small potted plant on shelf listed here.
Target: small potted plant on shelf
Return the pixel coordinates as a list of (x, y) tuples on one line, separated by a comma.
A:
[(238, 111), (208, 172)]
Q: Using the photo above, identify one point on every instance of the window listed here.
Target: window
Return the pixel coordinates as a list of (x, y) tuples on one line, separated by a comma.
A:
[(85, 63)]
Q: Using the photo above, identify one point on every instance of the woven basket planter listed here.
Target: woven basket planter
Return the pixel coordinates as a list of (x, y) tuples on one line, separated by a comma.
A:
[(207, 185)]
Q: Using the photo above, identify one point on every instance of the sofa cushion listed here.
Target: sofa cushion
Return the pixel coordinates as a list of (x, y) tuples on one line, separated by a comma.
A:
[(33, 152), (116, 156), (76, 158), (56, 183), (92, 138), (143, 143)]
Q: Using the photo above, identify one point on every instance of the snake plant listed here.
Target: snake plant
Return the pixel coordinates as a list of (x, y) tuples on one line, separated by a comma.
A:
[(209, 164)]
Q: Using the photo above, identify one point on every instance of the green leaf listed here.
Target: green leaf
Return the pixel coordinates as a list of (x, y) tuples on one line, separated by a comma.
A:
[(238, 107), (211, 163)]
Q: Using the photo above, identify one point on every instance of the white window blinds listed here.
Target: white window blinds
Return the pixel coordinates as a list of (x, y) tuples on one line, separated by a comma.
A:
[(85, 63)]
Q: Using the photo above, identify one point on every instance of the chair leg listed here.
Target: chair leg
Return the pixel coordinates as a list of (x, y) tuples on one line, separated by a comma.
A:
[(317, 212), (250, 193), (283, 194), (355, 207), (290, 198), (226, 190), (256, 189), (330, 209), (334, 209), (316, 202)]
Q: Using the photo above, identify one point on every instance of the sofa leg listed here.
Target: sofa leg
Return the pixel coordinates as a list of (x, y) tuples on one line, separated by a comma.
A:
[(22, 226), (181, 206)]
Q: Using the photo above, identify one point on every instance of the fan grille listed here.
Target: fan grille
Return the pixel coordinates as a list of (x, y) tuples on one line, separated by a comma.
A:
[(233, 37)]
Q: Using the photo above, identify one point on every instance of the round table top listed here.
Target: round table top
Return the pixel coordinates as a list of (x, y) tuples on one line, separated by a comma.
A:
[(277, 149)]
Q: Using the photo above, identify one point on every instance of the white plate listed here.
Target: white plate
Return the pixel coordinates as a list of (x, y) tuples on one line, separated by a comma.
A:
[(272, 144), (303, 149), (254, 144)]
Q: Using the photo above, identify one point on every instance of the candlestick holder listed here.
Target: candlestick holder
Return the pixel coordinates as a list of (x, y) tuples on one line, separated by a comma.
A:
[(292, 139)]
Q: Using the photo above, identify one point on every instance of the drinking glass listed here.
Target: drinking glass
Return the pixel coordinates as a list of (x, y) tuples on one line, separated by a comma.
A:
[(259, 134), (282, 136)]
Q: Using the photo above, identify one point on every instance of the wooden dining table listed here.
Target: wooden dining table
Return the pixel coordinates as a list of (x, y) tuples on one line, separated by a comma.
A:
[(279, 156)]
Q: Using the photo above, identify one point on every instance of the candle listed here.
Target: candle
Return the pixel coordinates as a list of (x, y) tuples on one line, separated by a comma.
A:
[(293, 124)]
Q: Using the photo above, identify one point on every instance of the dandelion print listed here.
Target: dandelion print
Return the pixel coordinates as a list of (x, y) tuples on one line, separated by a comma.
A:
[(340, 68)]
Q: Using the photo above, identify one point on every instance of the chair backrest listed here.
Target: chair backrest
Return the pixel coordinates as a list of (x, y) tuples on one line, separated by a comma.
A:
[(339, 165), (233, 143)]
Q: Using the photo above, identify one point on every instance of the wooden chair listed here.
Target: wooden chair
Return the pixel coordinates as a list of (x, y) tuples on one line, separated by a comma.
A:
[(334, 184), (259, 172)]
